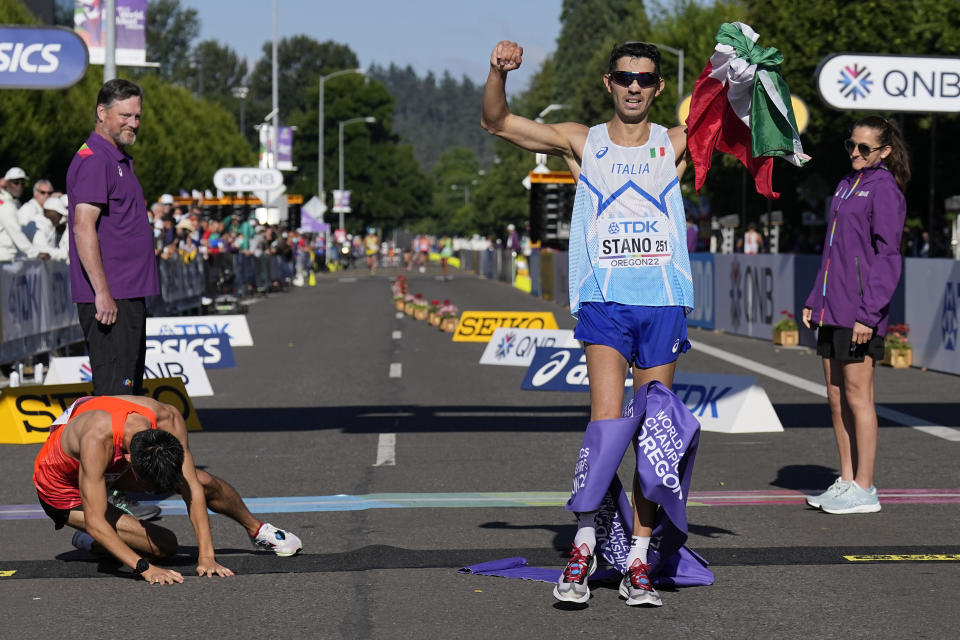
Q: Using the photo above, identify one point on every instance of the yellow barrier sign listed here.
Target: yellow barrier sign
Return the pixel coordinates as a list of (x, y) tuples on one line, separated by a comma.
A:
[(478, 326), (26, 413), (906, 557)]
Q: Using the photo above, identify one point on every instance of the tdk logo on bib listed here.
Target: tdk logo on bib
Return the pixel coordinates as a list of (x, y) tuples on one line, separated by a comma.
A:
[(634, 242), (40, 57)]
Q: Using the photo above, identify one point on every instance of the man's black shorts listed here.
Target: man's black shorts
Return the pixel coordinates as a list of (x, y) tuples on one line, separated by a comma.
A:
[(59, 516), (836, 343)]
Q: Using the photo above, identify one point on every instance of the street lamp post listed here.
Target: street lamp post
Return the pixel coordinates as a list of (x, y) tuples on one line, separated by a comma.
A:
[(679, 54), (323, 79), (541, 158), (342, 124)]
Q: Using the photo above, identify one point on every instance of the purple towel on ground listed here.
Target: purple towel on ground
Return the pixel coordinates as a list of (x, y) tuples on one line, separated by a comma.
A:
[(665, 436)]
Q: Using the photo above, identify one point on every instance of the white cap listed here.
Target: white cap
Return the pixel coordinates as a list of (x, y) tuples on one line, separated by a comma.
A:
[(55, 204), (510, 227), (15, 173), (166, 199)]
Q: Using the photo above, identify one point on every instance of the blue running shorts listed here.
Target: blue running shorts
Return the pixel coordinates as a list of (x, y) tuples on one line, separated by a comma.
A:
[(645, 336)]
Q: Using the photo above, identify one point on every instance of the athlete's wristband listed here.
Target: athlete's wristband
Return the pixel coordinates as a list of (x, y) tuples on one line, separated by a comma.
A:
[(142, 565)]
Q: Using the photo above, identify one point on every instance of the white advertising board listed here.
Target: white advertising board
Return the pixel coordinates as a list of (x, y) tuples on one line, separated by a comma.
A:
[(186, 366), (234, 326), (515, 347)]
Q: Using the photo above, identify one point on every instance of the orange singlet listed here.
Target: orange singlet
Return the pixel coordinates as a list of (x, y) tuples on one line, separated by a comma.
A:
[(56, 475)]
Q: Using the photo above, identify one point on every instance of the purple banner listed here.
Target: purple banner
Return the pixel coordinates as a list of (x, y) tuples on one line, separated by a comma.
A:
[(131, 19), (285, 148)]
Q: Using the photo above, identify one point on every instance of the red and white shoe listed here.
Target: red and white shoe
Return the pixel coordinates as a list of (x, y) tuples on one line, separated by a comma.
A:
[(283, 543)]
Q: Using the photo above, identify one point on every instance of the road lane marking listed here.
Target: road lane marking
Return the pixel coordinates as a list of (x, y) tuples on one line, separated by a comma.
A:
[(346, 502), (396, 370), (386, 450), (906, 557), (920, 424), (396, 335)]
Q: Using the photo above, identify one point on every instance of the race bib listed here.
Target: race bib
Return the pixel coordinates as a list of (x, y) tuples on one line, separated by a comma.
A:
[(634, 242)]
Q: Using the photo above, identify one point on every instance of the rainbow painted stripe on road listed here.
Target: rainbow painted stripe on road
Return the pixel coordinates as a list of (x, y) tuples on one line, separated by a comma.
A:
[(345, 502)]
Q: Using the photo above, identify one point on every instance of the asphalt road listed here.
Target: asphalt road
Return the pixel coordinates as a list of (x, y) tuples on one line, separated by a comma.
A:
[(304, 412)]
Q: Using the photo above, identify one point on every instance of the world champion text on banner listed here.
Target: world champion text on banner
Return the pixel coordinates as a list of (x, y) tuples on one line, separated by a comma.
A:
[(515, 347), (26, 413), (478, 326)]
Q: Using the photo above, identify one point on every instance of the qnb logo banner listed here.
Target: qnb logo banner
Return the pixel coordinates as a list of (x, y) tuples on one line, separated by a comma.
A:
[(185, 366), (41, 58), (889, 83), (214, 350), (515, 347), (722, 403)]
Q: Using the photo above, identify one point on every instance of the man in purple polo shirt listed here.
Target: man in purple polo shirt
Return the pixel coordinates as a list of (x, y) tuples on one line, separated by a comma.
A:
[(112, 263)]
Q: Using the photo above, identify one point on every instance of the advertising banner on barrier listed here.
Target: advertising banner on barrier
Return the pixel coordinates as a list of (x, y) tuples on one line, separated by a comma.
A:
[(478, 326), (515, 347), (234, 326), (40, 57), (36, 298), (26, 413), (704, 293), (751, 291), (932, 292), (214, 351), (722, 403), (185, 366)]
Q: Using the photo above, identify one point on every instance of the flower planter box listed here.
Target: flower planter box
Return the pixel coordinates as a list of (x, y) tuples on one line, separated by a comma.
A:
[(434, 318), (420, 313), (398, 303), (787, 338), (898, 358), (448, 324), (408, 308)]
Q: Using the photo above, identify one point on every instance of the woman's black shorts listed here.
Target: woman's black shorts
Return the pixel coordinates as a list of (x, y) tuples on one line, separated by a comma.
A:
[(836, 343)]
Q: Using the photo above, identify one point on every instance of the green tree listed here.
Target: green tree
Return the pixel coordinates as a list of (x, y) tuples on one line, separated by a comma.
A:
[(171, 30)]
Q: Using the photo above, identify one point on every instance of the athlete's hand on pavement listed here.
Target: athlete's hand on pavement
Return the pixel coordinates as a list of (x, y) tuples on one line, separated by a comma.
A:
[(861, 333), (506, 56), (106, 308), (158, 575), (210, 568), (807, 317)]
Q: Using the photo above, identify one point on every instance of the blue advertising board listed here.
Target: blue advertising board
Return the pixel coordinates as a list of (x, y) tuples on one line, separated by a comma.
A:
[(214, 350), (41, 57)]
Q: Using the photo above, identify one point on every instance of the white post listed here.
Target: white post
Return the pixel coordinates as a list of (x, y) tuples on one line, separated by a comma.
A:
[(110, 42)]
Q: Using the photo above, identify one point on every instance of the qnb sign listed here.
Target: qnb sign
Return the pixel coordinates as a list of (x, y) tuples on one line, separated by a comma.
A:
[(40, 57), (889, 83), (247, 179)]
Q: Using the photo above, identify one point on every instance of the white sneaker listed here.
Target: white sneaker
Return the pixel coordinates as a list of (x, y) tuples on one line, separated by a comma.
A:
[(283, 543), (855, 499), (637, 588), (838, 487)]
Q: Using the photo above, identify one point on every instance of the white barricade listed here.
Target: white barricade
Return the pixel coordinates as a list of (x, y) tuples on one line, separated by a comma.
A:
[(515, 347), (234, 326), (187, 366)]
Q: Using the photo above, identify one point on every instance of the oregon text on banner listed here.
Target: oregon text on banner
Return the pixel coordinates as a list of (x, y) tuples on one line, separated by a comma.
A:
[(478, 326)]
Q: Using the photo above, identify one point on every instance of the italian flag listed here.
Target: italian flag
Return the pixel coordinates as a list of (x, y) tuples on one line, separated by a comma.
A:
[(741, 106)]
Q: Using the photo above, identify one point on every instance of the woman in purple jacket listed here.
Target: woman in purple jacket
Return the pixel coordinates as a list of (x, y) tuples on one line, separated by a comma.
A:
[(850, 301)]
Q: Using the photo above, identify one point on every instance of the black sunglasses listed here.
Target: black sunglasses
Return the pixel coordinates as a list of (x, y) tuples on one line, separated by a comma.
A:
[(44, 193), (643, 78), (863, 148)]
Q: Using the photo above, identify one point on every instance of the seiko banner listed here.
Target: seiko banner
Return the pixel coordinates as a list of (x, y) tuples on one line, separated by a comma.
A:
[(871, 82), (722, 403), (932, 293), (235, 327), (41, 58)]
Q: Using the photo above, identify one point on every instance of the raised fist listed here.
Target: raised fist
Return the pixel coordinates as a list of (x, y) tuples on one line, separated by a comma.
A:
[(506, 56)]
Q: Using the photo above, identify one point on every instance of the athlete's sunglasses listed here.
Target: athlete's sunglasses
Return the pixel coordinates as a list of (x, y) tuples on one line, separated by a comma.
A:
[(863, 148), (643, 78)]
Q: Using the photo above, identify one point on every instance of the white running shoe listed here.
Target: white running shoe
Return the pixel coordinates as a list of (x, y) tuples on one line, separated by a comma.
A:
[(283, 543), (838, 487), (854, 500), (637, 588), (572, 585)]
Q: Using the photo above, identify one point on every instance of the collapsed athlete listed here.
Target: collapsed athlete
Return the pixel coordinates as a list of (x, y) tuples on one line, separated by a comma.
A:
[(137, 444), (630, 283)]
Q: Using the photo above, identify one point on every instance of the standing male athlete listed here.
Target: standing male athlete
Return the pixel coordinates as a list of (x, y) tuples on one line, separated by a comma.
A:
[(137, 444), (630, 283)]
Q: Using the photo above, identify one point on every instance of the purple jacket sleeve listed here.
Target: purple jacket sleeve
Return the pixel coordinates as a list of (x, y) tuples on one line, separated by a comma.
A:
[(889, 213)]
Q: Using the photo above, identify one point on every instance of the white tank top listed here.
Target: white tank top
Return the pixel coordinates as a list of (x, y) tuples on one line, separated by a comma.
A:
[(628, 231)]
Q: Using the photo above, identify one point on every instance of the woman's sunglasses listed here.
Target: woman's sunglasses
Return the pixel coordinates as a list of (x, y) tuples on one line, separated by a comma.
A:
[(643, 78), (862, 148)]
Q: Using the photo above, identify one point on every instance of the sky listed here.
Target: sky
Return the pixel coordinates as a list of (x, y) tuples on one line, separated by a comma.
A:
[(428, 35)]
